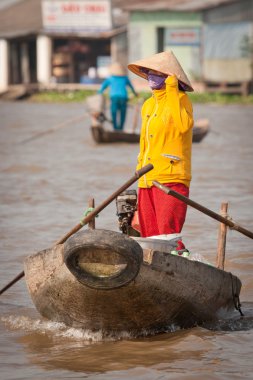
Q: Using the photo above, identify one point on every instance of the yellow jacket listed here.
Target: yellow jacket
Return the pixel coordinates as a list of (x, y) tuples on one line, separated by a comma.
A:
[(167, 122)]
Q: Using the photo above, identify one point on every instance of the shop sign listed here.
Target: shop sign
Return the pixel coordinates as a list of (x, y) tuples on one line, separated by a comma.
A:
[(182, 36), (76, 16)]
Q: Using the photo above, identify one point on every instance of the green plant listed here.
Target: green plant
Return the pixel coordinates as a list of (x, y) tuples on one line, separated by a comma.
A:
[(81, 95)]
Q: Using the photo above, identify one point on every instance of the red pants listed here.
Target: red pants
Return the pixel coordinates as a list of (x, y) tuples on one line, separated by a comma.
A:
[(160, 213)]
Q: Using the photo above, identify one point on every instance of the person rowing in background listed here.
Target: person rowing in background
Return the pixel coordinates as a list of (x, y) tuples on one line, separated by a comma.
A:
[(118, 82)]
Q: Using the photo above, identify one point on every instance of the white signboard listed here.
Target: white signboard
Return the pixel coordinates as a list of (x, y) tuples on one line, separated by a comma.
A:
[(76, 16), (182, 36)]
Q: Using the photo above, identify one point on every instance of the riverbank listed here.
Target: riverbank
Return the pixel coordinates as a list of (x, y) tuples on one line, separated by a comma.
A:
[(75, 92), (81, 95)]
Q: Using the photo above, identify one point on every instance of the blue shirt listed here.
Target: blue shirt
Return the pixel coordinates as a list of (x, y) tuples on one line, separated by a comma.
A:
[(118, 86)]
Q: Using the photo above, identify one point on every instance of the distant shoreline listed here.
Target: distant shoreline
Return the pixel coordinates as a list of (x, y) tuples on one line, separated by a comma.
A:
[(71, 94), (81, 95)]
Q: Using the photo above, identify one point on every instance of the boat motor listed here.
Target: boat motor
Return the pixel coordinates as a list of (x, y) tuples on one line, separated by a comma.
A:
[(126, 204)]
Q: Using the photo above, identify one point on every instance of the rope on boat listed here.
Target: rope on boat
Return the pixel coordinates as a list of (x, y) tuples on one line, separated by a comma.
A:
[(236, 297), (234, 227)]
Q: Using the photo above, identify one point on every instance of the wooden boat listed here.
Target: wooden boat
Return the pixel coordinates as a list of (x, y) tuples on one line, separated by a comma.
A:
[(96, 106), (104, 281), (102, 136), (200, 130)]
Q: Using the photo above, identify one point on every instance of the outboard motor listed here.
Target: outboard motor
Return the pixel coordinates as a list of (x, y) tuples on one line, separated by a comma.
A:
[(126, 204)]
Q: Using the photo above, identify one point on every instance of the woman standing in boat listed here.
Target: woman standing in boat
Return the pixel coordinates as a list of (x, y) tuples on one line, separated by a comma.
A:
[(166, 142), (118, 82)]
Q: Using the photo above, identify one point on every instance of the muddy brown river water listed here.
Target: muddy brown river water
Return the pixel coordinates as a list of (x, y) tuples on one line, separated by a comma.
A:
[(49, 168)]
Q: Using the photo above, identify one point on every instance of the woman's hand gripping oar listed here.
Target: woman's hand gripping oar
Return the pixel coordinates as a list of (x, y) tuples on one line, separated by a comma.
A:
[(203, 209), (90, 216)]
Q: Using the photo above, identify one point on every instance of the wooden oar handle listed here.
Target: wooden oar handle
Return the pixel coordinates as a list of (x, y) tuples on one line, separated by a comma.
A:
[(17, 278), (144, 170), (203, 209), (98, 209)]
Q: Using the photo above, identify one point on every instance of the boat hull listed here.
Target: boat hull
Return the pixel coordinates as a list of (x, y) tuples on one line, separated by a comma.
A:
[(169, 290), (104, 136)]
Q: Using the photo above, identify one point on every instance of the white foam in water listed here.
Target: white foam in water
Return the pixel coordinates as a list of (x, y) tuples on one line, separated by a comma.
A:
[(55, 328), (61, 330)]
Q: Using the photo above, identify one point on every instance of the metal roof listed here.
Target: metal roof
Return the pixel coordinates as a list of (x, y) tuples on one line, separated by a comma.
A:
[(173, 5), (24, 17), (21, 18)]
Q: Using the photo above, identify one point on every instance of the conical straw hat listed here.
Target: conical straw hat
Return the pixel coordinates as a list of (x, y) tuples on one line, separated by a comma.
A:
[(117, 69), (165, 63)]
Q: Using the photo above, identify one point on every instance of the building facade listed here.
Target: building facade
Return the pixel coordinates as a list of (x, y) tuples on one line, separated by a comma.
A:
[(213, 40), (228, 42), (74, 41), (59, 41), (156, 31)]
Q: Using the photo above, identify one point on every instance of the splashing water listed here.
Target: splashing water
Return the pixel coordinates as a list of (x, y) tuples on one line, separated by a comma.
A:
[(59, 329)]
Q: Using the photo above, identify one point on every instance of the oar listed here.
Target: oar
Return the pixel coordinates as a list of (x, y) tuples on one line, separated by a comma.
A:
[(53, 129), (203, 209), (89, 217)]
